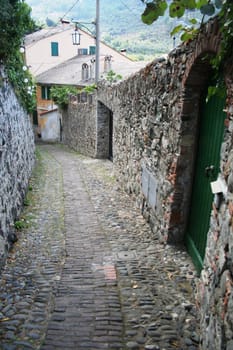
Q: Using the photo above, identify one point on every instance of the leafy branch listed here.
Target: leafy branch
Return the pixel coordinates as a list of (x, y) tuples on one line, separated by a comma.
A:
[(178, 8), (60, 95), (113, 77)]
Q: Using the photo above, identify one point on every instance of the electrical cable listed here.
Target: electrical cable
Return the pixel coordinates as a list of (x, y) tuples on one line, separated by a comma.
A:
[(130, 9), (75, 3), (52, 28)]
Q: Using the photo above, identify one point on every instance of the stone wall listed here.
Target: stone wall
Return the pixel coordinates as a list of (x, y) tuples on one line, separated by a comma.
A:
[(79, 124), (155, 130), (16, 161), (155, 122)]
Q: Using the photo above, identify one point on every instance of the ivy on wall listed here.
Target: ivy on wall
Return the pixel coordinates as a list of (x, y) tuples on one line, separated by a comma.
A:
[(60, 94)]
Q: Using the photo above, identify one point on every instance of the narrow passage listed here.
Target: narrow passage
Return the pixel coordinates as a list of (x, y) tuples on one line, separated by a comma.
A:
[(88, 273), (87, 313)]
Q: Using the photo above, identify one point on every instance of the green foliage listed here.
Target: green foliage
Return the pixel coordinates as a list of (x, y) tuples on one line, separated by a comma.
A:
[(188, 31), (20, 224), (89, 89), (21, 80), (113, 77), (15, 22), (153, 11), (226, 21), (60, 95), (178, 8)]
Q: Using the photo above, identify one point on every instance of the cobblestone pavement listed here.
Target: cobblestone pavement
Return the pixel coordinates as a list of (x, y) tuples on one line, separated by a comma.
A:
[(87, 273)]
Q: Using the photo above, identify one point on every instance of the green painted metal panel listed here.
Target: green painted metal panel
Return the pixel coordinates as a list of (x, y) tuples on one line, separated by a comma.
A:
[(211, 129)]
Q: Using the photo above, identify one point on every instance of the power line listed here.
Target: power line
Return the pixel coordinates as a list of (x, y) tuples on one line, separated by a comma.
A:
[(75, 3), (130, 9), (52, 28)]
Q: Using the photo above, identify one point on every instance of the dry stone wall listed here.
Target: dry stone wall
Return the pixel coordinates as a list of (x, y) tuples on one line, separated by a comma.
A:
[(155, 130), (16, 161)]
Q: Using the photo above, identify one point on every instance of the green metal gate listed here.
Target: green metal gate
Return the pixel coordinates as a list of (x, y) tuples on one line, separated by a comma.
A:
[(211, 129)]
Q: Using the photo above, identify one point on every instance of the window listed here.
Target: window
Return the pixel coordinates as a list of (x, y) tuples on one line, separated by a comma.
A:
[(54, 48), (85, 71), (82, 52), (107, 63), (45, 92)]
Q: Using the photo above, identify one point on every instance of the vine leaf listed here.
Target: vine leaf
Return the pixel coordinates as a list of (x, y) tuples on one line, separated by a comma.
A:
[(153, 11), (189, 4), (218, 4), (201, 3), (177, 29), (208, 9), (193, 21), (176, 9)]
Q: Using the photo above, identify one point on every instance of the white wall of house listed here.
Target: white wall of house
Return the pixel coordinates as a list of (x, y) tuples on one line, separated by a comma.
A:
[(38, 48)]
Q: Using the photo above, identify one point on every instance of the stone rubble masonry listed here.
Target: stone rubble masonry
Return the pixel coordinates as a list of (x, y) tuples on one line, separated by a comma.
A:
[(80, 136), (16, 161), (155, 127)]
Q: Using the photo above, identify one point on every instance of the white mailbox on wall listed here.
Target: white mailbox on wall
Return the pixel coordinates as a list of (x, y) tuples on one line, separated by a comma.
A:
[(149, 187)]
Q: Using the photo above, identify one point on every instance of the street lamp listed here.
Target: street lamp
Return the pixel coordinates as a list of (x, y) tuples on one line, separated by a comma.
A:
[(76, 36), (76, 40)]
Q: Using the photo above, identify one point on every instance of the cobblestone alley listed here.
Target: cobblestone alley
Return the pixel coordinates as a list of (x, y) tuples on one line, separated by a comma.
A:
[(87, 273)]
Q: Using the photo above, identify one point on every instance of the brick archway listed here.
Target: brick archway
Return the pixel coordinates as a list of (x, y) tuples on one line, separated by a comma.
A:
[(195, 79)]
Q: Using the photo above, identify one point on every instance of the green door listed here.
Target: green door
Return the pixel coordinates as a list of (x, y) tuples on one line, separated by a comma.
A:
[(211, 129)]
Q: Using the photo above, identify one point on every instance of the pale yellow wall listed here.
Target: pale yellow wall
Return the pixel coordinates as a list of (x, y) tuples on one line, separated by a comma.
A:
[(38, 54)]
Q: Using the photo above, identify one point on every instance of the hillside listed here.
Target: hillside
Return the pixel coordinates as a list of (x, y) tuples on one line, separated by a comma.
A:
[(120, 24)]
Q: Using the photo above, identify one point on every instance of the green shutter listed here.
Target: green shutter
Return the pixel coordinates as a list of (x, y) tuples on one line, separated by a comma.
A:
[(54, 48), (91, 50)]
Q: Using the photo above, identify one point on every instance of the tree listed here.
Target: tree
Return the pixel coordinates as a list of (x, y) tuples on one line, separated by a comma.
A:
[(15, 22)]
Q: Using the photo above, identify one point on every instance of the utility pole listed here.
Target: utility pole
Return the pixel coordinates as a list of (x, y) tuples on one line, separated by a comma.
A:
[(97, 52)]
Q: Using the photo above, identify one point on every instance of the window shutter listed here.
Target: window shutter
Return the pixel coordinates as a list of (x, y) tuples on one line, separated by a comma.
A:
[(48, 93), (91, 50), (43, 93), (54, 48)]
